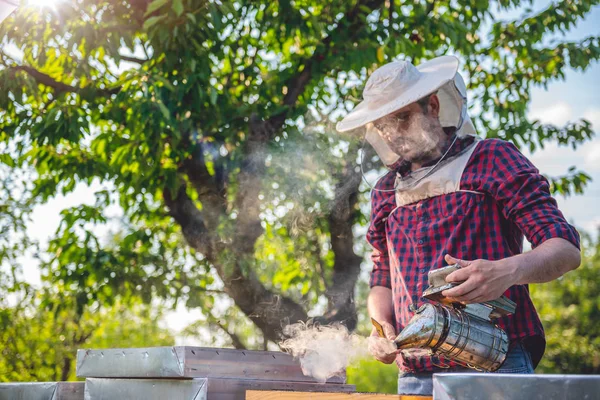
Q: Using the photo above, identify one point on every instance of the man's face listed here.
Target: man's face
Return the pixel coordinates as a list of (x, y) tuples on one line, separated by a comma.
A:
[(413, 132)]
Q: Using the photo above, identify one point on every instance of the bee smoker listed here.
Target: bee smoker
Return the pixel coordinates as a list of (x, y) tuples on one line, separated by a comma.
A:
[(463, 333)]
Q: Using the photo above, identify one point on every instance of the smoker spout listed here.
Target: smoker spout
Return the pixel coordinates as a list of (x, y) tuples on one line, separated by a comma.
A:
[(420, 332)]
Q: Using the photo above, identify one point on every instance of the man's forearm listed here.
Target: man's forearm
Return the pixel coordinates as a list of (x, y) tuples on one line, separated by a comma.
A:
[(380, 304), (484, 280), (550, 260), (381, 308)]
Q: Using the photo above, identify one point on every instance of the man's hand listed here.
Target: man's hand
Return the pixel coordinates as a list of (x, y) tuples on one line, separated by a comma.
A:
[(381, 309), (382, 348), (484, 280)]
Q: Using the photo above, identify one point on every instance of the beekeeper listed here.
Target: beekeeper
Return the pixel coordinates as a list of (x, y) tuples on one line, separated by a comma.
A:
[(451, 197)]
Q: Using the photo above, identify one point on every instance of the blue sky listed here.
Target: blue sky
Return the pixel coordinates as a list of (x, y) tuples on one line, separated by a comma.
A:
[(576, 97)]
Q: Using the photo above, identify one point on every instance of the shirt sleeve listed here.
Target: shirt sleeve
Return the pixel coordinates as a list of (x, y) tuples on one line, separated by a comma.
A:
[(524, 196), (380, 209)]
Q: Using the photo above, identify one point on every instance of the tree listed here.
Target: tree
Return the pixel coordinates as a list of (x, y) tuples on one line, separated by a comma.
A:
[(41, 333), (212, 121), (42, 328)]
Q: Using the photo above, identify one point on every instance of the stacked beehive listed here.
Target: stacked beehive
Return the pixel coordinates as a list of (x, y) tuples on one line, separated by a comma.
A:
[(180, 372)]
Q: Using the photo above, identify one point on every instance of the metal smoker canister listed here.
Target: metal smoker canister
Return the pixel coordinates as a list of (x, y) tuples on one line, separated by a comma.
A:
[(456, 334)]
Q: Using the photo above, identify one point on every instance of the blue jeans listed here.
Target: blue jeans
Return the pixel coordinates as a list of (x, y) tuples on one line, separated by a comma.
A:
[(518, 361)]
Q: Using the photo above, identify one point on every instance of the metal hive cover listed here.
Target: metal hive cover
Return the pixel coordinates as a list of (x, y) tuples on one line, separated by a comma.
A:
[(42, 391), (191, 362), (147, 389), (476, 386)]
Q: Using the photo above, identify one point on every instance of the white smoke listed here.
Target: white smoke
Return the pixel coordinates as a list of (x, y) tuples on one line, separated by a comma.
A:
[(326, 351)]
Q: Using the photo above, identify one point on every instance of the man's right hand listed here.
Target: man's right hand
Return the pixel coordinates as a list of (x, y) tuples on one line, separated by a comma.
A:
[(383, 349)]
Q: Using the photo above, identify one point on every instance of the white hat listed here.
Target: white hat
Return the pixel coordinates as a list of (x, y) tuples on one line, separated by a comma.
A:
[(398, 84)]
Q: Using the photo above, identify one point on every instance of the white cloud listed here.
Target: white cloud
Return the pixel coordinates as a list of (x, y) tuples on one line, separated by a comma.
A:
[(558, 114), (592, 155), (554, 160), (591, 158), (593, 115), (591, 226)]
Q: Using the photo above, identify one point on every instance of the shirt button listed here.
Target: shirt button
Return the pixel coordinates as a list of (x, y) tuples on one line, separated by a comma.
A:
[(420, 242)]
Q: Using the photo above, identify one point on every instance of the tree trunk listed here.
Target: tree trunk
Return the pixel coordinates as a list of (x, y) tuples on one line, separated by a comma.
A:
[(233, 256)]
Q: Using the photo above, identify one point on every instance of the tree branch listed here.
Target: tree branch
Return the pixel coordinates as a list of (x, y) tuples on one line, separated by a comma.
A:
[(265, 308), (248, 227), (213, 291), (270, 312), (45, 79), (297, 84), (59, 87), (211, 192), (263, 131), (235, 339), (66, 369), (191, 220), (391, 15), (133, 59), (320, 266), (346, 266)]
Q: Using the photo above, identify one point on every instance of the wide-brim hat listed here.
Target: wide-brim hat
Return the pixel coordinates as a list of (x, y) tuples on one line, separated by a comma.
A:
[(396, 85)]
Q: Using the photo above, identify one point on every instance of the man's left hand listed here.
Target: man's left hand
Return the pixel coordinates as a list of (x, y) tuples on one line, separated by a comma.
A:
[(484, 280)]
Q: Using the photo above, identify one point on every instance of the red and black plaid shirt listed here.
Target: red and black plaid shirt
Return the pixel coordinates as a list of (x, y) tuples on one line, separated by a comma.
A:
[(410, 240)]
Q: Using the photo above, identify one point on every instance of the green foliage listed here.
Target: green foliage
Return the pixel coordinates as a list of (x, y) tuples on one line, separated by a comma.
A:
[(41, 333), (230, 105), (570, 311), (373, 376)]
